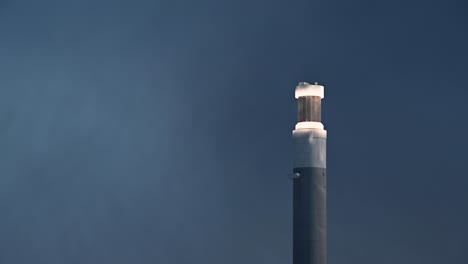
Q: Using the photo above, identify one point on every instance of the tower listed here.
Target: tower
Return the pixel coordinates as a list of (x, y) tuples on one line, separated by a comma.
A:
[(309, 178)]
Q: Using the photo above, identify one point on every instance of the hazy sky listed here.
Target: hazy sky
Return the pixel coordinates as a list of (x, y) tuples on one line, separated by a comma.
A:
[(138, 131)]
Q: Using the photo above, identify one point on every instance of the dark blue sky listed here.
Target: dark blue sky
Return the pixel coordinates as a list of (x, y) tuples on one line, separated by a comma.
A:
[(159, 131)]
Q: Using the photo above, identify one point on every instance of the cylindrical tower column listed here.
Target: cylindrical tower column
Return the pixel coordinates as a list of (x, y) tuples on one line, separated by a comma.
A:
[(309, 178)]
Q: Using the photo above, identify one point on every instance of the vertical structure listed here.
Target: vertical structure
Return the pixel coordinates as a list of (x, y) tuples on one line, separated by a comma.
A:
[(309, 178)]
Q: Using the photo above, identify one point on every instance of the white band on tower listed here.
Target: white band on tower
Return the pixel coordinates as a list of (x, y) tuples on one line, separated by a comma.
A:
[(309, 125), (307, 89)]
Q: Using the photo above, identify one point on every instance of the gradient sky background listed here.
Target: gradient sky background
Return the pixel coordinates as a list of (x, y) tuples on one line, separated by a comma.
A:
[(138, 131)]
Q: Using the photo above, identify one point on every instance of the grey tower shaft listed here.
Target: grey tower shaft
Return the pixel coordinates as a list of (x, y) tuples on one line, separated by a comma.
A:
[(309, 181)]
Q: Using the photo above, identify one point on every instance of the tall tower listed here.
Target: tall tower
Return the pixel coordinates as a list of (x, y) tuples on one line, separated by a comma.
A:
[(309, 178)]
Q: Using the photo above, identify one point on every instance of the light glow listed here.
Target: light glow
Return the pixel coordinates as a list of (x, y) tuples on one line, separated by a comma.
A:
[(307, 89), (309, 125)]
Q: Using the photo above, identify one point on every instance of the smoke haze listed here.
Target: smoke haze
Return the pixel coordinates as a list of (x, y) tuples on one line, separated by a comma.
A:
[(159, 131)]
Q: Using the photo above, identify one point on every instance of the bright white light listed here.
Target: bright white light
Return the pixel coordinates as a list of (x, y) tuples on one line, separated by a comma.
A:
[(307, 89), (309, 125)]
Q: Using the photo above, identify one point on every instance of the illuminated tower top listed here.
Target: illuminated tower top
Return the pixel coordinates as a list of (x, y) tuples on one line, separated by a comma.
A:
[(309, 98)]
